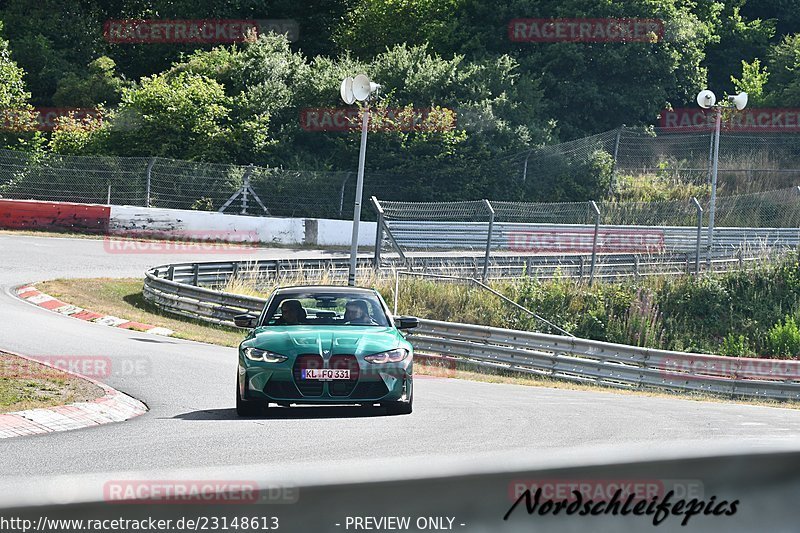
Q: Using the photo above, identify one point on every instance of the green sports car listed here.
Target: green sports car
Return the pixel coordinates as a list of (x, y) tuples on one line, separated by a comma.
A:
[(325, 345)]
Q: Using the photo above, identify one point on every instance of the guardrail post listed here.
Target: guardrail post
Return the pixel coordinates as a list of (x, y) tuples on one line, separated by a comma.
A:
[(699, 234), (636, 273), (148, 174), (528, 266), (171, 273), (195, 274), (594, 240), (488, 240), (378, 233), (580, 267)]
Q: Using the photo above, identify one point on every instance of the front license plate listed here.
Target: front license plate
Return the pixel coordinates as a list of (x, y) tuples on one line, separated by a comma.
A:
[(325, 374)]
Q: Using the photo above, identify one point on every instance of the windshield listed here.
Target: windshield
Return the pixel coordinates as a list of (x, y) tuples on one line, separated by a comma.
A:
[(330, 309)]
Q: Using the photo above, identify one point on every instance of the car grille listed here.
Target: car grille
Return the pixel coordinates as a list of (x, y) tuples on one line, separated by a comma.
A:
[(307, 387), (343, 387)]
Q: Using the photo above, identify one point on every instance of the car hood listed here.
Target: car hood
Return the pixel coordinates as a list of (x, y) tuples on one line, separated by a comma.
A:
[(357, 340)]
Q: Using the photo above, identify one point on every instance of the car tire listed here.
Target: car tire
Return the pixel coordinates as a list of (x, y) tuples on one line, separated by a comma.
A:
[(402, 407), (246, 408)]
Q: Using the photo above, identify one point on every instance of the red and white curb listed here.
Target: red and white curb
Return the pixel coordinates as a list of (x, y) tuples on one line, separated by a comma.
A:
[(30, 294), (113, 406)]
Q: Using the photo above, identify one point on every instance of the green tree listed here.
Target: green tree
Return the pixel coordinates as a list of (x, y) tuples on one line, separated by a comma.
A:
[(17, 129), (753, 80), (100, 85), (783, 89)]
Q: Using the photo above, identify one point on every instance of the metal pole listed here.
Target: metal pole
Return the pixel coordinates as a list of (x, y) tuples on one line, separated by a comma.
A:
[(341, 193), (149, 171), (376, 260), (713, 206), (594, 240), (108, 197), (396, 289), (246, 187), (488, 240), (699, 234), (710, 157), (351, 280), (616, 151), (525, 168)]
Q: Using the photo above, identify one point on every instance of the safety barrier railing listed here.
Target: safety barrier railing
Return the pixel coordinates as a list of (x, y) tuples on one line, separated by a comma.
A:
[(561, 357)]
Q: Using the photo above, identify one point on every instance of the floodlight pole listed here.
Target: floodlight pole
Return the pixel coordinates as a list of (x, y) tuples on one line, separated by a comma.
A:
[(714, 167), (351, 280)]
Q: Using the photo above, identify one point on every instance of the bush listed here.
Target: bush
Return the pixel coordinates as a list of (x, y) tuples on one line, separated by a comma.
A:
[(736, 346), (783, 339)]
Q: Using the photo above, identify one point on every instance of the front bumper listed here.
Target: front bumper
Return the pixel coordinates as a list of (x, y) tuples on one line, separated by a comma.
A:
[(282, 382)]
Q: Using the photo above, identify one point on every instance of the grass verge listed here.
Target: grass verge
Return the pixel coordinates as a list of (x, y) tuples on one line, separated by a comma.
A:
[(29, 385), (123, 298)]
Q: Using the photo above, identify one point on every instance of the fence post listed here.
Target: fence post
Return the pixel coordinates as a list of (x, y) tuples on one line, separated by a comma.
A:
[(614, 165), (710, 158), (594, 240), (525, 167), (797, 190), (699, 234), (488, 240), (341, 193), (376, 259), (108, 197), (246, 187), (149, 174)]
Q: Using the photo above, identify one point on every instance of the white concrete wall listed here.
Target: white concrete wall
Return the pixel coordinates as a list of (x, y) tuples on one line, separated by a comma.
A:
[(212, 226), (340, 233), (204, 225)]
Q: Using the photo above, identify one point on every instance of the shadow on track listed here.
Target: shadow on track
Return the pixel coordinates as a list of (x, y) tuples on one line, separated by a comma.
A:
[(289, 413)]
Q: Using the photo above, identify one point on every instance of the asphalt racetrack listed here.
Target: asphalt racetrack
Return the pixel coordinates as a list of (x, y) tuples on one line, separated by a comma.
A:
[(191, 423)]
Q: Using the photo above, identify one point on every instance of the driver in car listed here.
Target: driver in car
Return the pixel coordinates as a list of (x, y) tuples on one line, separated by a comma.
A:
[(357, 312), (292, 313)]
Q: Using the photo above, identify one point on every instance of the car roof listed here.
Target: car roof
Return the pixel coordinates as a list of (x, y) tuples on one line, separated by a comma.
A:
[(324, 289)]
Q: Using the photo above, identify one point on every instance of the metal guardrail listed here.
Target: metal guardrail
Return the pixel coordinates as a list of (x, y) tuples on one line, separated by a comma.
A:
[(568, 358), (611, 266), (577, 238), (614, 365)]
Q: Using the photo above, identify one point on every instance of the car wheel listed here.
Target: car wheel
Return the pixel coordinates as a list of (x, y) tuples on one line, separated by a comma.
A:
[(402, 407), (245, 408)]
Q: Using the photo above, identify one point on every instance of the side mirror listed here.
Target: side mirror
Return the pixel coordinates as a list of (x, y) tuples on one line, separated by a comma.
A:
[(406, 322), (245, 321)]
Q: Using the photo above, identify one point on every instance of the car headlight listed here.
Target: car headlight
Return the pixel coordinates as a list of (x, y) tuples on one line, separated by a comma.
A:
[(392, 356), (254, 354)]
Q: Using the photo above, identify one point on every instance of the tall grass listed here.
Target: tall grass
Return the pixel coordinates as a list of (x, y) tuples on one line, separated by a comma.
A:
[(729, 313)]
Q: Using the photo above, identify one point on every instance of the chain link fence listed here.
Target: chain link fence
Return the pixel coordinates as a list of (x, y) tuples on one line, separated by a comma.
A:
[(748, 163), (745, 224)]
